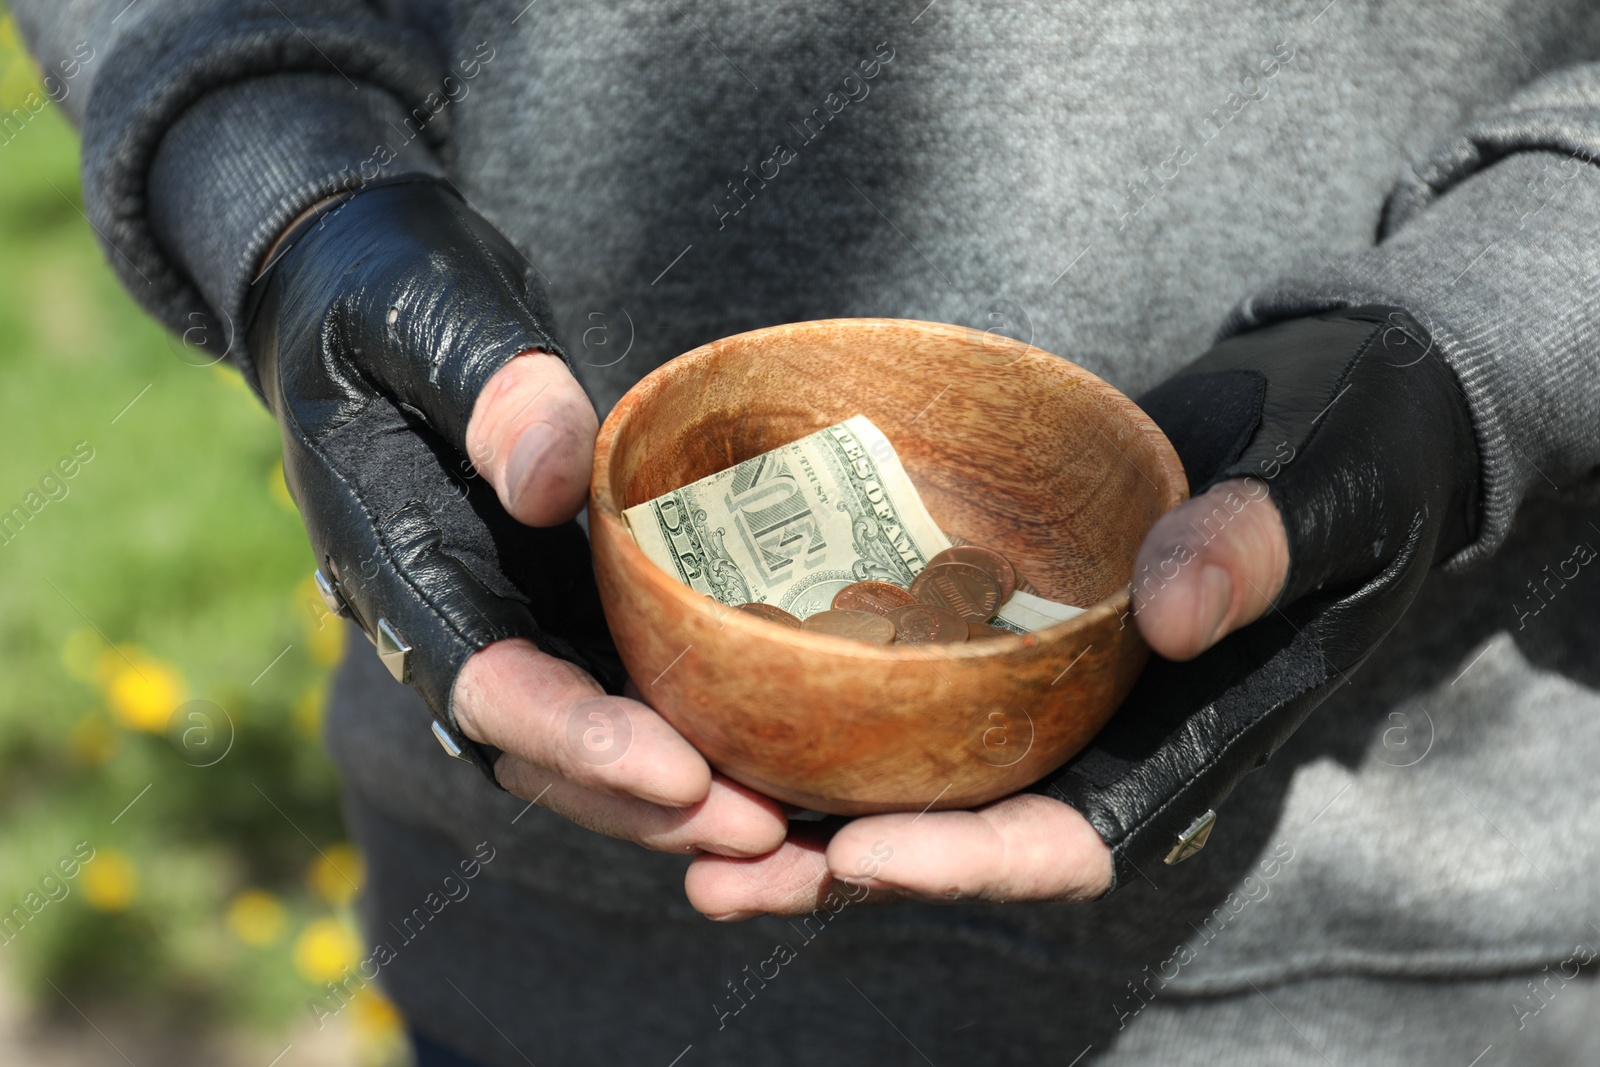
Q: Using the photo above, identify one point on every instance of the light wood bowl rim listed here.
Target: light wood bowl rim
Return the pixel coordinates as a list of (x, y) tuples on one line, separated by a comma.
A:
[(604, 513)]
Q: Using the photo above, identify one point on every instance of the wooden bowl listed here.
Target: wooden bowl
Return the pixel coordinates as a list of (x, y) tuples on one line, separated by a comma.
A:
[(1009, 446)]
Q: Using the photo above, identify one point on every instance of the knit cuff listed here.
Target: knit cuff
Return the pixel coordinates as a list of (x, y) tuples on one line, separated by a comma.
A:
[(1501, 271), (288, 142), (236, 168)]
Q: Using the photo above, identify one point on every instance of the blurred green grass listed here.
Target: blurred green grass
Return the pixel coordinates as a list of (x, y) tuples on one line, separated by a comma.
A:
[(174, 569)]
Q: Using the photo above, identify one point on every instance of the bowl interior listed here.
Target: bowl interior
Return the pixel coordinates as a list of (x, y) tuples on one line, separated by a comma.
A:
[(1009, 446)]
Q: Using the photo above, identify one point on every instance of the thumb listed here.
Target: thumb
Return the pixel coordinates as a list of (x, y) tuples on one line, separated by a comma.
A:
[(1209, 566), (532, 436)]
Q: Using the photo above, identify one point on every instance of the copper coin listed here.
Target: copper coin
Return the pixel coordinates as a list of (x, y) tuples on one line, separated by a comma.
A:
[(877, 597), (961, 588), (771, 614), (987, 560), (924, 624), (978, 630), (856, 625)]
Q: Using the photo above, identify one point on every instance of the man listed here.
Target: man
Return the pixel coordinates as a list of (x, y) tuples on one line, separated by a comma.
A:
[(1399, 203)]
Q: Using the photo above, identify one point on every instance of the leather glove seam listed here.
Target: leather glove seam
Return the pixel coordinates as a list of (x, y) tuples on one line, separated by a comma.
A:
[(549, 347), (1232, 471), (1274, 488), (1379, 330)]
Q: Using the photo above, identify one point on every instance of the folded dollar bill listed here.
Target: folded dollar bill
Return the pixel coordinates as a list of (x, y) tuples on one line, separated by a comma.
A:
[(793, 526)]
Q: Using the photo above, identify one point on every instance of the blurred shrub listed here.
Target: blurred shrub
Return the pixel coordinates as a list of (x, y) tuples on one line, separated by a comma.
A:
[(163, 653)]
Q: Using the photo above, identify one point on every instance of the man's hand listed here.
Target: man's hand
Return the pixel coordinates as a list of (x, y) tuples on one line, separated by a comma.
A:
[(438, 449), (608, 763), (1023, 848), (1334, 463)]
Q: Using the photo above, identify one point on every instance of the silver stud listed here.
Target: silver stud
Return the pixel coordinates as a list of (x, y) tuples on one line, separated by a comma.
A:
[(1193, 839), (448, 743), (394, 652), (330, 594)]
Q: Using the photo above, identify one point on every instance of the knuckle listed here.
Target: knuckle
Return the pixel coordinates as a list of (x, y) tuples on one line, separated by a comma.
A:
[(522, 778)]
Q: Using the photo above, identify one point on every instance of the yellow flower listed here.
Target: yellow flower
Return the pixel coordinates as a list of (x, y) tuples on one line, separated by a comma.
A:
[(143, 691), (324, 631), (379, 1029), (326, 645), (109, 880), (308, 711), (325, 950), (94, 740), (337, 874), (375, 1016), (256, 917)]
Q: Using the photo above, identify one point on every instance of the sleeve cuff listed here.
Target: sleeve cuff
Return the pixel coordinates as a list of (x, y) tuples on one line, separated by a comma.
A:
[(236, 168), (1500, 270), (259, 100)]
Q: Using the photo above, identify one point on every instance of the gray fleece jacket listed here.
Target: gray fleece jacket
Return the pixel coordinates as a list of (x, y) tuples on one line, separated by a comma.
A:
[(1114, 182)]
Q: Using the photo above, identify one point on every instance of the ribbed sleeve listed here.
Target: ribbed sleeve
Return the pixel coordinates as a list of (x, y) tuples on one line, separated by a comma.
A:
[(1491, 243), (236, 168), (208, 124)]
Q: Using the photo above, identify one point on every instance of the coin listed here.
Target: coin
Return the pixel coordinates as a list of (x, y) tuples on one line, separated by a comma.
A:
[(771, 614), (876, 597), (856, 625), (987, 560), (961, 588), (978, 630), (924, 624)]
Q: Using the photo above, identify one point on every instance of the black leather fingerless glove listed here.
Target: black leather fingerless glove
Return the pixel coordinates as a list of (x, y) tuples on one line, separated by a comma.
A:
[(1362, 435), (373, 332)]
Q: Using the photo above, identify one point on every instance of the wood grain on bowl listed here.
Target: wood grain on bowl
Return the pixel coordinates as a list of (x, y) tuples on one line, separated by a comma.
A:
[(1010, 447)]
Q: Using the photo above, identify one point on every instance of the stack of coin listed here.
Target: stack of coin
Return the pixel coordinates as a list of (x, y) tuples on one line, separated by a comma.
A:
[(953, 599)]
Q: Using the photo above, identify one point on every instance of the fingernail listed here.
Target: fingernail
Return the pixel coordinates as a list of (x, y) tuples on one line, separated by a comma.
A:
[(869, 883), (526, 456), (733, 916), (1216, 595), (732, 852)]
